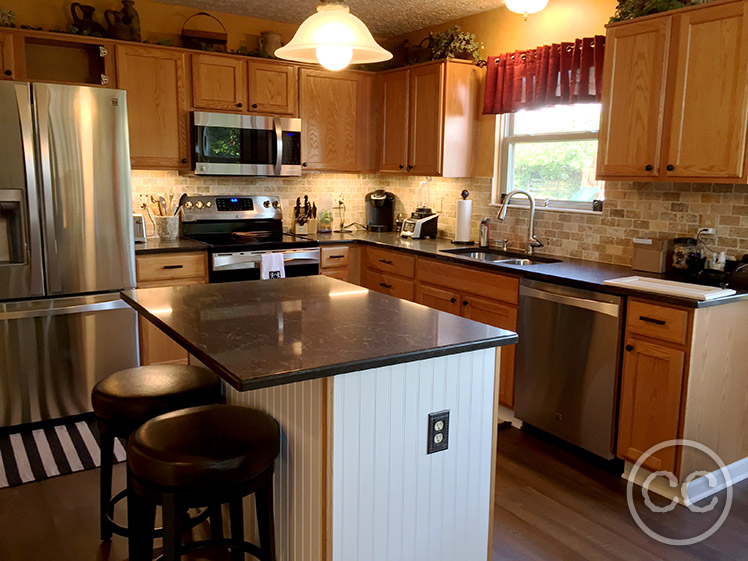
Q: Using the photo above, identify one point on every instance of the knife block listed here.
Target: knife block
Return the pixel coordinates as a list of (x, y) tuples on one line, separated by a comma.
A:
[(301, 229)]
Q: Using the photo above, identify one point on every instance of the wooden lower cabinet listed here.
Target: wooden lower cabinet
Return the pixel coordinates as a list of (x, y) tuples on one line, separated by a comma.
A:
[(389, 284), (439, 298), (166, 269), (651, 386), (341, 262)]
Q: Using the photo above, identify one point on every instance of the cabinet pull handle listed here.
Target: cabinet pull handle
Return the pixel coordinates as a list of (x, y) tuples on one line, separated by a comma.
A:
[(629, 348), (465, 302), (337, 256), (649, 167), (453, 300), (652, 320), (385, 261), (385, 285), (173, 266), (671, 167)]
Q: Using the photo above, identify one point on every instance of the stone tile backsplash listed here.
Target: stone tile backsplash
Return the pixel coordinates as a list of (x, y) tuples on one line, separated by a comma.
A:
[(631, 209)]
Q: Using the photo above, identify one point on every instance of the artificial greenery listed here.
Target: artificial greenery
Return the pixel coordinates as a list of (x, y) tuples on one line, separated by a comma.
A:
[(629, 9), (454, 43)]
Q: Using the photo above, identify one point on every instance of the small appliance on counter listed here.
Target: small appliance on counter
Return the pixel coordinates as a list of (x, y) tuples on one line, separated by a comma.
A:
[(138, 226), (421, 224), (464, 217), (380, 211)]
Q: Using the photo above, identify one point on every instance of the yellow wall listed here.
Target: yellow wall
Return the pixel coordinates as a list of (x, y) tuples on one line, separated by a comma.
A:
[(503, 31), (158, 21)]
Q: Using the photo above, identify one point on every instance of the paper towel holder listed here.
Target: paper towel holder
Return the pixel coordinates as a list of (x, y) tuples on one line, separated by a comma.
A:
[(465, 194)]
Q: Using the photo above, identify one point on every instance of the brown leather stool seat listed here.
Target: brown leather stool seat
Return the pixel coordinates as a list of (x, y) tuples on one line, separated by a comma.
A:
[(196, 457), (126, 399)]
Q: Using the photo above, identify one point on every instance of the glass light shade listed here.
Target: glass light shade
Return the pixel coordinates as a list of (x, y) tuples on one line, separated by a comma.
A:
[(331, 37), (526, 6)]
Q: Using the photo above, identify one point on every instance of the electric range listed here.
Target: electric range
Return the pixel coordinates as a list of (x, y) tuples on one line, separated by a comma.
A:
[(239, 229)]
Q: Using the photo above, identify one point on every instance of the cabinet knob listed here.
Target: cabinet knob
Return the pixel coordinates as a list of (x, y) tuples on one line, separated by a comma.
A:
[(649, 167), (410, 167), (671, 167), (629, 348), (401, 166), (9, 72), (453, 300), (464, 302), (304, 165), (184, 160), (240, 105), (255, 106)]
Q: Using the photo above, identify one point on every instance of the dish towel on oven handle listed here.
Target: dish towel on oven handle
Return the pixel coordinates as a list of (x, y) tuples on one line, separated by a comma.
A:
[(272, 266)]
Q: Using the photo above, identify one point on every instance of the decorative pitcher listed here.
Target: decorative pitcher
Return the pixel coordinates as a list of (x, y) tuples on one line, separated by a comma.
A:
[(270, 41), (84, 22)]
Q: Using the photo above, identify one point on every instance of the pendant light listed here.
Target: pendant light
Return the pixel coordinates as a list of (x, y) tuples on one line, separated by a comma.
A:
[(526, 6), (334, 38)]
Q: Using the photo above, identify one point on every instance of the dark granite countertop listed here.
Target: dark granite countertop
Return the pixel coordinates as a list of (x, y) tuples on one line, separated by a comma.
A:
[(157, 245), (572, 272), (258, 334)]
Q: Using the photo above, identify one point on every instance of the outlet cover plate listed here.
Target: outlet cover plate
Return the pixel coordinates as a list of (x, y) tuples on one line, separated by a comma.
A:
[(438, 440)]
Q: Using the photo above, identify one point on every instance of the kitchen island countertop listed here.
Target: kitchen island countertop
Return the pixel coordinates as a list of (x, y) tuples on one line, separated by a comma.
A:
[(265, 333)]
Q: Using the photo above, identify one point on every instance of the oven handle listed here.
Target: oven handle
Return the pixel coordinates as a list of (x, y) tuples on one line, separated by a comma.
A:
[(279, 145)]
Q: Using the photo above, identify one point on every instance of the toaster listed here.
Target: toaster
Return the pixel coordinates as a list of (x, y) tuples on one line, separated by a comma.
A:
[(138, 226)]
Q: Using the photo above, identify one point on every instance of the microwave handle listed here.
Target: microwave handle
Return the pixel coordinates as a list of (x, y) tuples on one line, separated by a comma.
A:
[(279, 145)]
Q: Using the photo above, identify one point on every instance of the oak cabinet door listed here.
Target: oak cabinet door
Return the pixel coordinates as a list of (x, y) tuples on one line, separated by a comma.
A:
[(7, 63), (502, 316), (272, 88), (394, 152), (156, 110), (709, 126), (651, 386), (635, 73), (438, 298), (426, 120), (218, 82)]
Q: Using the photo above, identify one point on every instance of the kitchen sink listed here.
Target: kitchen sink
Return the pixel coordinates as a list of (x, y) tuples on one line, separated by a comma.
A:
[(500, 257)]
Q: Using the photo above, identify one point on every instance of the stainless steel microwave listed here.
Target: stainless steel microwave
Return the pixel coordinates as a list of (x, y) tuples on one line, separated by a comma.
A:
[(226, 144)]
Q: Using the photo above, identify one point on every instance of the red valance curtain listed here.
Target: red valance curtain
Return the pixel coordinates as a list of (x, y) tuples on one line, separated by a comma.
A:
[(558, 74)]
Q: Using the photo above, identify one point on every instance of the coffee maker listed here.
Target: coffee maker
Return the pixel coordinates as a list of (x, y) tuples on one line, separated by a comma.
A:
[(380, 211)]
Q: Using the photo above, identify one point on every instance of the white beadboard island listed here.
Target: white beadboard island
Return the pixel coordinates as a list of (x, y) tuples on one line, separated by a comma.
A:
[(351, 376)]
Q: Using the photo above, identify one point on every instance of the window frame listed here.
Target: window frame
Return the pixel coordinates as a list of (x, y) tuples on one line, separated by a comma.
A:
[(504, 141)]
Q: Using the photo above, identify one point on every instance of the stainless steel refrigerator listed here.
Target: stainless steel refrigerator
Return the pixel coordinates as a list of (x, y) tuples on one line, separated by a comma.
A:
[(66, 247)]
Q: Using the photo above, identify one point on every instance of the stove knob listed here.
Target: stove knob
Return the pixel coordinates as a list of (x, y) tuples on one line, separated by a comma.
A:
[(266, 204), (208, 204), (276, 204), (199, 204), (188, 204)]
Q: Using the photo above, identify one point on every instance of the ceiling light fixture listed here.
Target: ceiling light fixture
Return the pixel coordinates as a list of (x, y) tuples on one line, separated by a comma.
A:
[(335, 38), (526, 6)]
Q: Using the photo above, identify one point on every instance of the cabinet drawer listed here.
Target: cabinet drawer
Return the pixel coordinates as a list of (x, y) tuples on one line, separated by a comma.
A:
[(389, 284), (390, 262), (334, 257), (172, 266), (659, 322), (466, 279), (340, 274)]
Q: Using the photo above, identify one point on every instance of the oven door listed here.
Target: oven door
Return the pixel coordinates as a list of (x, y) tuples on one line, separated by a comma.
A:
[(251, 145), (245, 265)]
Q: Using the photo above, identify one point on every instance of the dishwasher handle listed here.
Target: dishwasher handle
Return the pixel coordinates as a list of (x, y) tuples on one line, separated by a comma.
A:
[(585, 303)]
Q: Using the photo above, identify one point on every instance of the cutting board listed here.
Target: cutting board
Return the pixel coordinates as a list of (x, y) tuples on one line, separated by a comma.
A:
[(671, 288)]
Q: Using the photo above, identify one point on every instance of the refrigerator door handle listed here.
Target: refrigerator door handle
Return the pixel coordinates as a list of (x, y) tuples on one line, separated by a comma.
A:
[(41, 101), (64, 310), (23, 101)]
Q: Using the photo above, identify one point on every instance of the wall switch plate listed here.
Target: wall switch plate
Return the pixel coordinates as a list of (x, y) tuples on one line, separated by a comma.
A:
[(438, 432)]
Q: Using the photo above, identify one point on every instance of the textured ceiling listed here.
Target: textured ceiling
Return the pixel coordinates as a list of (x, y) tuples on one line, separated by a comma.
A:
[(385, 18)]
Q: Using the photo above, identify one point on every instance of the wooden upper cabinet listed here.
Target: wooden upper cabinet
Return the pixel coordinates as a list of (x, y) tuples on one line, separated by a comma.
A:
[(636, 59), (709, 124), (154, 81), (7, 62), (218, 82), (651, 385), (394, 152), (272, 88), (336, 123), (426, 119)]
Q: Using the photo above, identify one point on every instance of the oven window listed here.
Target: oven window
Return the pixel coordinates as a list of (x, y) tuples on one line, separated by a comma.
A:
[(220, 145)]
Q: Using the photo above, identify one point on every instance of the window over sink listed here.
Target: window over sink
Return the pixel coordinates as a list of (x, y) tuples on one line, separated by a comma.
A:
[(552, 153)]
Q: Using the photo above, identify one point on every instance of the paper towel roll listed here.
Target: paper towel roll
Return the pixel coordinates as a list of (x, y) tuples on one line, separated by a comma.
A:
[(464, 216)]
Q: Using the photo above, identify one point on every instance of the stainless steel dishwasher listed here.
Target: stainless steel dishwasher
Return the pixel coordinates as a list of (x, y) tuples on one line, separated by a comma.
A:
[(566, 380)]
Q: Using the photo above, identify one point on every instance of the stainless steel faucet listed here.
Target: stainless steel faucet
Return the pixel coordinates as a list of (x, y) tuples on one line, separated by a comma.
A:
[(532, 239)]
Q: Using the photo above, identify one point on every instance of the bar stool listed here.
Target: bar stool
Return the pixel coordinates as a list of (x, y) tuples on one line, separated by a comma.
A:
[(127, 399), (202, 456)]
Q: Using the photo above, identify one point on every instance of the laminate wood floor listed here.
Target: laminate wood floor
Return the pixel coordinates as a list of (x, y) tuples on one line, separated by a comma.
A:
[(550, 505)]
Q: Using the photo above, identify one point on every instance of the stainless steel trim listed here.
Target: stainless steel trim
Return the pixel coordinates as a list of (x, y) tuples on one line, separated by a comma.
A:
[(584, 303), (54, 283), (23, 100), (290, 124), (194, 214), (227, 120), (278, 147), (252, 259), (208, 168), (64, 310)]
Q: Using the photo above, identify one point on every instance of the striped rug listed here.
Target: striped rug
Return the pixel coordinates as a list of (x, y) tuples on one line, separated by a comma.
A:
[(35, 454)]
